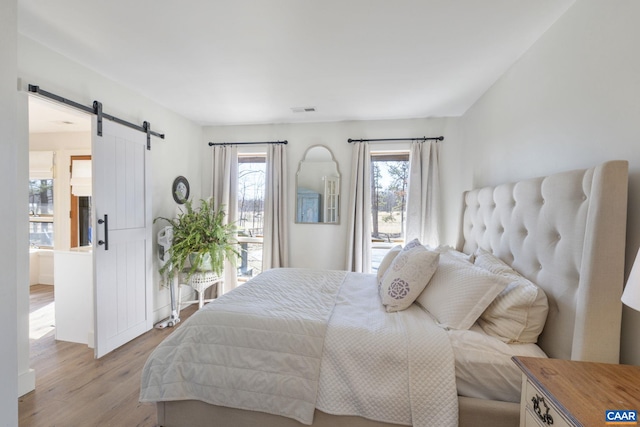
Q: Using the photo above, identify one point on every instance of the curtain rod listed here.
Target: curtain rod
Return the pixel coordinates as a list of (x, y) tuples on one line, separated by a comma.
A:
[(97, 110), (211, 144), (422, 138)]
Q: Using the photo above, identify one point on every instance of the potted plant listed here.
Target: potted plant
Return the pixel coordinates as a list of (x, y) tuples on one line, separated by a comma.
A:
[(201, 240)]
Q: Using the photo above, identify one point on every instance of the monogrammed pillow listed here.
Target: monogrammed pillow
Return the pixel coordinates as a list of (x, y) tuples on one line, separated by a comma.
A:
[(387, 260), (407, 277)]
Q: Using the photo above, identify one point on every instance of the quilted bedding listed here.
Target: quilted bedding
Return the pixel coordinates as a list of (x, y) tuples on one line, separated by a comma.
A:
[(257, 347), (391, 367), (291, 340)]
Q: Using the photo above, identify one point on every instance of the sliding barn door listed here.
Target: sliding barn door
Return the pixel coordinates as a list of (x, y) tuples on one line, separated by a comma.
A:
[(122, 236)]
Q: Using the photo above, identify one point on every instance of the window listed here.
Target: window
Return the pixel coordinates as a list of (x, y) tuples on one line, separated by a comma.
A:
[(389, 181), (251, 188), (41, 213)]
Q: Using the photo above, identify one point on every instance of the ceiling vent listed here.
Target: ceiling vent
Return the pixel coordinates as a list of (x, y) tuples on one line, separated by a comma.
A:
[(303, 109)]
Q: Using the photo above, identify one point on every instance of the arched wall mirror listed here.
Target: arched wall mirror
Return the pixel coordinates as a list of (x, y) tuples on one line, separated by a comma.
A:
[(318, 187)]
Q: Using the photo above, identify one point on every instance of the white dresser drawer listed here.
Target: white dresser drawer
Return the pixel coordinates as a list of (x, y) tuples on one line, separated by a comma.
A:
[(539, 411)]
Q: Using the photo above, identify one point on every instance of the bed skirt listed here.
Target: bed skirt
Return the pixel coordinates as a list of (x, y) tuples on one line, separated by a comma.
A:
[(472, 413)]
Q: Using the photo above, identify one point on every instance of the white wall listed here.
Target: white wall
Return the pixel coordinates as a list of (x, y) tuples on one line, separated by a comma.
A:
[(8, 215), (572, 101), (324, 245), (176, 155)]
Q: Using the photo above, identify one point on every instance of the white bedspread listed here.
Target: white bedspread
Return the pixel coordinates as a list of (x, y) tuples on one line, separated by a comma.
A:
[(391, 367), (258, 347)]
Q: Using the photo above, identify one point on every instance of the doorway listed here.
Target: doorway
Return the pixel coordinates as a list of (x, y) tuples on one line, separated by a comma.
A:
[(112, 276), (57, 134)]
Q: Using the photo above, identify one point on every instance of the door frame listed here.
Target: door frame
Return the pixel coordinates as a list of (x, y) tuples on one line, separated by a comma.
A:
[(73, 210)]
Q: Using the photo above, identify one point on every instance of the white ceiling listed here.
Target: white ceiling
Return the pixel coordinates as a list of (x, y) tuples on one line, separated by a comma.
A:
[(45, 116), (252, 61)]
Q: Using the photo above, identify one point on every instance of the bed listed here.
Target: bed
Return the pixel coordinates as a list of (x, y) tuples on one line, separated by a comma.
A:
[(564, 232)]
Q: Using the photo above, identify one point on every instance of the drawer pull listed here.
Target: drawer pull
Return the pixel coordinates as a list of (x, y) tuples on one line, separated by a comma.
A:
[(538, 403)]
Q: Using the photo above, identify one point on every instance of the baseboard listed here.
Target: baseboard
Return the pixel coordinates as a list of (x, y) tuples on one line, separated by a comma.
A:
[(45, 279), (26, 382)]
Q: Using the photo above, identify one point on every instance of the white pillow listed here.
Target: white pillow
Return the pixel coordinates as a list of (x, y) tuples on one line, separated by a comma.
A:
[(459, 292), (519, 312), (407, 277), (490, 262), (412, 244), (390, 257), (387, 260), (454, 252)]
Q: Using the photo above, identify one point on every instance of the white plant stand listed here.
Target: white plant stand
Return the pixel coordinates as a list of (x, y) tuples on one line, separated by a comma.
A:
[(199, 281)]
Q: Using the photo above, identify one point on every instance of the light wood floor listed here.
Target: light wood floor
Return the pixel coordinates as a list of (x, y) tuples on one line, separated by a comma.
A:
[(73, 388)]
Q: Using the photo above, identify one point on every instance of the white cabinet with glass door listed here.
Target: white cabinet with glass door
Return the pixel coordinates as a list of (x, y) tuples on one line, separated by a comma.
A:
[(331, 194)]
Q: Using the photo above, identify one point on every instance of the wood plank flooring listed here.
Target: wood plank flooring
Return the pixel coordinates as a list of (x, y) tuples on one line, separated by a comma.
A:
[(74, 389)]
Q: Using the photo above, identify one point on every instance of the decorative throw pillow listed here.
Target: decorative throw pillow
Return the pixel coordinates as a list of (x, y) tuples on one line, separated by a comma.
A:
[(407, 277), (519, 312), (387, 260), (459, 292), (412, 244), (390, 257)]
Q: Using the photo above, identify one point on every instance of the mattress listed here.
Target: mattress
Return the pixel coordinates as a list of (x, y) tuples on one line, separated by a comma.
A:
[(483, 365)]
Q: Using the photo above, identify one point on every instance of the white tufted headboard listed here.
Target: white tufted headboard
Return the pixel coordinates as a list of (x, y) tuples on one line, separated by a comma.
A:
[(566, 233)]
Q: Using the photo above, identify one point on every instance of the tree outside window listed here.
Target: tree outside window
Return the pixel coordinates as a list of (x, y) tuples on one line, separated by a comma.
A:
[(389, 181), (251, 191), (41, 213)]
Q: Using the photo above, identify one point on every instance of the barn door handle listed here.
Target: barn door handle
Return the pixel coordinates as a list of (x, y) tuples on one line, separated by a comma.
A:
[(105, 242)]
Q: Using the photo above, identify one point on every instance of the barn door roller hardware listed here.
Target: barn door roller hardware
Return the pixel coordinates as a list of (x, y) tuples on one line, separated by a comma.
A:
[(97, 110)]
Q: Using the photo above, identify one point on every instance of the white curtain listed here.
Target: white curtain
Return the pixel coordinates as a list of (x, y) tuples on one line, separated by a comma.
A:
[(359, 214), (423, 199), (275, 246), (225, 189)]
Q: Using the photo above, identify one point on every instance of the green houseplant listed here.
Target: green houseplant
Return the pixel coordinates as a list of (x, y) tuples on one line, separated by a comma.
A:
[(201, 240)]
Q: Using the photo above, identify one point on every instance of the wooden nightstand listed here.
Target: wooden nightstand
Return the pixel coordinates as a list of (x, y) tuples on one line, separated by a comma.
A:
[(569, 393)]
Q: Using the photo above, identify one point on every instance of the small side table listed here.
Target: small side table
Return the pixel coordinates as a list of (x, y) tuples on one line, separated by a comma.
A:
[(570, 393), (200, 281)]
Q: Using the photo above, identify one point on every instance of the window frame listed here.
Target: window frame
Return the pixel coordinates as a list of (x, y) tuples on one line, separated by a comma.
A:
[(39, 217), (247, 241), (379, 246), (388, 156)]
